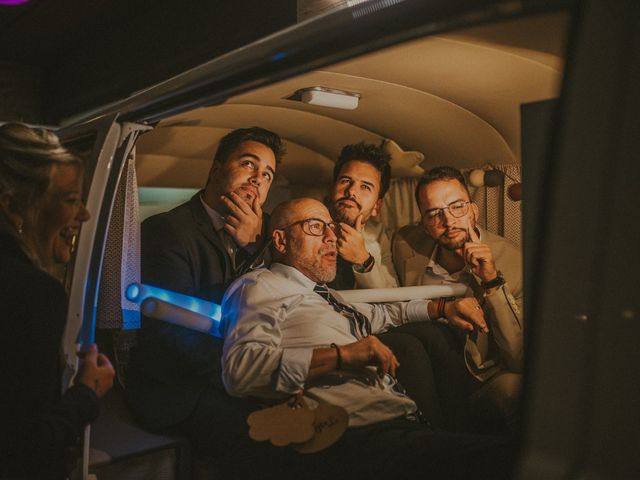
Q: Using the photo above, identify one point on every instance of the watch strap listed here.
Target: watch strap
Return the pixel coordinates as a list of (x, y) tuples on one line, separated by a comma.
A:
[(363, 267), (496, 282)]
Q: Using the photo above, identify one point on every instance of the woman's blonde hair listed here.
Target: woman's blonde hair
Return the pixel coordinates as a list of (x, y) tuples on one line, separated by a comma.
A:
[(26, 158)]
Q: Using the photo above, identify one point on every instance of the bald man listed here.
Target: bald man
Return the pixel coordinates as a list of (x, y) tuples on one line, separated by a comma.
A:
[(286, 332)]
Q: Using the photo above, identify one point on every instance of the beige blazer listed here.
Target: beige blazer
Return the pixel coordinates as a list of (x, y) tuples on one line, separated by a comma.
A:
[(502, 349)]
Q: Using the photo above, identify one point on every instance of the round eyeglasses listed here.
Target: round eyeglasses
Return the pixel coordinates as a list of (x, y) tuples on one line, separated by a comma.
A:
[(314, 226), (456, 209)]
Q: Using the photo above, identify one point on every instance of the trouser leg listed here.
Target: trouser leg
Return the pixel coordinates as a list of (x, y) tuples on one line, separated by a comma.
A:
[(219, 435), (496, 404), (398, 450), (452, 380), (390, 450), (416, 374)]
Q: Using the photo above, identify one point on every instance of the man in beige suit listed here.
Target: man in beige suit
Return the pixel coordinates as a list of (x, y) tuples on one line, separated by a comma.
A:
[(449, 247)]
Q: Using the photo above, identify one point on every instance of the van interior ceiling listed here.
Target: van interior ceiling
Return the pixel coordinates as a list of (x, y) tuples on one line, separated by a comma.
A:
[(453, 98)]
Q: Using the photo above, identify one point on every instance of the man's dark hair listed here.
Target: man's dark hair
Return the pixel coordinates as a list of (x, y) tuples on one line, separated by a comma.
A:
[(232, 140), (367, 153), (440, 173)]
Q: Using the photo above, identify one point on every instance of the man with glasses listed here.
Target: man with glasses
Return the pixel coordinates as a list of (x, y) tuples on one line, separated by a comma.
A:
[(287, 334), (449, 247)]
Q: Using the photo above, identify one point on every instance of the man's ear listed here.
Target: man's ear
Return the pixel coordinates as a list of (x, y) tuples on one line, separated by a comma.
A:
[(476, 213), (7, 205), (279, 241), (212, 172), (377, 207)]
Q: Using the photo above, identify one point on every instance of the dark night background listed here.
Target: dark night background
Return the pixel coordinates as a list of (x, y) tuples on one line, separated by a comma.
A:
[(63, 57)]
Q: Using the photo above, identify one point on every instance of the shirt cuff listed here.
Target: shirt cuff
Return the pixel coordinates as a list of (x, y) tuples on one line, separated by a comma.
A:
[(294, 368), (418, 311)]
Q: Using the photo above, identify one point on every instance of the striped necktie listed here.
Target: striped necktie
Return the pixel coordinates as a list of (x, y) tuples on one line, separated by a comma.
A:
[(360, 324)]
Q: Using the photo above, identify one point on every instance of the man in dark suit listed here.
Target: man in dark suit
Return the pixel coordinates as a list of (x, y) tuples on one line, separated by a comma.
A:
[(197, 249)]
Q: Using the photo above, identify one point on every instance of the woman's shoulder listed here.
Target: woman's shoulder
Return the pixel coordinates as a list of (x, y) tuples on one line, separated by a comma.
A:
[(17, 270), (26, 287)]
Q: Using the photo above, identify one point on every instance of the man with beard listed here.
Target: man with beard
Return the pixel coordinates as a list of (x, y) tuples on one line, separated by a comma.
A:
[(287, 334), (449, 247), (361, 178), (174, 379)]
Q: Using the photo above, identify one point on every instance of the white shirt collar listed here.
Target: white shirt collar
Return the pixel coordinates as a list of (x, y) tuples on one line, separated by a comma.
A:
[(216, 219), (293, 274)]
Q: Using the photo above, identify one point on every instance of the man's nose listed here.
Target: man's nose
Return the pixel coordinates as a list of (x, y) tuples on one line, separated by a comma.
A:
[(447, 218), (330, 235), (255, 179), (349, 191)]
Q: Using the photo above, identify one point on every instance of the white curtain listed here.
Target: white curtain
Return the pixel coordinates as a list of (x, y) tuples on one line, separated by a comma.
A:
[(121, 264), (399, 207)]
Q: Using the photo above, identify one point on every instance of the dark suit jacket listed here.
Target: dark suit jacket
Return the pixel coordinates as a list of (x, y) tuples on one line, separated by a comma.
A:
[(171, 366), (37, 425)]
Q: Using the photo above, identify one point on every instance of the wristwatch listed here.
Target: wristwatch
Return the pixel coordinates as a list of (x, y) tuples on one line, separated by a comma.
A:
[(496, 282), (365, 266)]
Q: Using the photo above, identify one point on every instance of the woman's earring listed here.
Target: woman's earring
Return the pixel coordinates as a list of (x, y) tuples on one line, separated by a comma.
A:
[(20, 228)]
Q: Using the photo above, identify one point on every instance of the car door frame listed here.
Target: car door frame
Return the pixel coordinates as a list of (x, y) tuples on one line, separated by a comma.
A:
[(113, 143)]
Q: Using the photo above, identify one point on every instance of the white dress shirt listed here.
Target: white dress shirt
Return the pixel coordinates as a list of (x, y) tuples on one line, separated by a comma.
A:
[(218, 221), (273, 320)]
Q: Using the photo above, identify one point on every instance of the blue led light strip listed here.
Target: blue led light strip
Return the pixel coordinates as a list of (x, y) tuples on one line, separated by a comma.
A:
[(138, 293)]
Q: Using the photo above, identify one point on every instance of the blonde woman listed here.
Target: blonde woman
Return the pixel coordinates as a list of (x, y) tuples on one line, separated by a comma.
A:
[(41, 210)]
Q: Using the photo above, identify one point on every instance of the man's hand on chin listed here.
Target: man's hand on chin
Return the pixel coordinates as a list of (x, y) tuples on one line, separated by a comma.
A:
[(351, 245), (479, 257), (244, 222)]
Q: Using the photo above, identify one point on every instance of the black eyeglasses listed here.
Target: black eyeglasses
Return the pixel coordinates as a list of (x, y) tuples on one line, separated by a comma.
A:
[(314, 226), (456, 209)]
